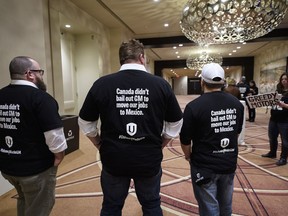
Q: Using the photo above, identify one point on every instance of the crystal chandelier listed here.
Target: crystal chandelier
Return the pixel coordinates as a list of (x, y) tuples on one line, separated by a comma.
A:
[(230, 21), (196, 62)]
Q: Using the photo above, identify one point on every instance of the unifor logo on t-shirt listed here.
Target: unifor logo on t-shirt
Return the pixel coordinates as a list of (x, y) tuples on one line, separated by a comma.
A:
[(224, 142), (9, 141), (131, 128)]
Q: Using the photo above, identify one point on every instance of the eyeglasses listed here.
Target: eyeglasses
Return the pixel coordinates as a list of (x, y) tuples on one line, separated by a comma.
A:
[(40, 71)]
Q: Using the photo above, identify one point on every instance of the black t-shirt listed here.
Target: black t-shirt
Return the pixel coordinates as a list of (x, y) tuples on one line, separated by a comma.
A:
[(212, 122), (25, 114), (244, 90), (279, 114), (132, 105)]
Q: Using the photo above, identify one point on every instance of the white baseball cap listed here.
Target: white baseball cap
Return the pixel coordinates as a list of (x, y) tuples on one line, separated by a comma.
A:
[(213, 73)]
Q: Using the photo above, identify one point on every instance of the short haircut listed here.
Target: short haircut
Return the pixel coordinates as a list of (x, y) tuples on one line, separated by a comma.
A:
[(130, 51), (19, 65), (212, 85)]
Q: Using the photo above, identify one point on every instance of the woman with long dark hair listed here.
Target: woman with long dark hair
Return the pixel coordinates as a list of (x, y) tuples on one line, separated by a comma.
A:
[(278, 123)]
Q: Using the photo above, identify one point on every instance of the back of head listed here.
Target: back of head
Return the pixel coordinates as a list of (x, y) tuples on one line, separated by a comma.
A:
[(19, 66), (213, 75), (130, 51)]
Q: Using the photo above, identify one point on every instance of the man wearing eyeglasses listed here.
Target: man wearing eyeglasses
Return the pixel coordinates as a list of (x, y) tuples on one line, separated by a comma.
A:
[(32, 141)]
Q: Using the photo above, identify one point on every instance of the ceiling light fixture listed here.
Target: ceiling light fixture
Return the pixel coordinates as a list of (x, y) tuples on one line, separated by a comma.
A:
[(230, 21), (196, 62)]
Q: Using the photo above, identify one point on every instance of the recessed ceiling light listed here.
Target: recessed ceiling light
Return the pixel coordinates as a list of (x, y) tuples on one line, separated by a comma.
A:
[(176, 52), (174, 47), (68, 26), (230, 53), (180, 45), (166, 25), (234, 51), (238, 47), (178, 56)]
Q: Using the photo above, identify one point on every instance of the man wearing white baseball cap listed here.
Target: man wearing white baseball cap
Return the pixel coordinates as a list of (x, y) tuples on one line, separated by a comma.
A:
[(211, 124)]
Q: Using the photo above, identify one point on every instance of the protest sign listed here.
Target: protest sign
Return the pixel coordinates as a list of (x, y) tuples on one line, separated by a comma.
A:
[(263, 100)]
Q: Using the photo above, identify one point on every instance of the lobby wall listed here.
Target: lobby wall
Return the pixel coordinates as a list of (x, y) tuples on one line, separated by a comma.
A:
[(276, 50)]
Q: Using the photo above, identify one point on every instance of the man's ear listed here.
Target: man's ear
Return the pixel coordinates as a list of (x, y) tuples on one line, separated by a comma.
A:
[(29, 76), (142, 59)]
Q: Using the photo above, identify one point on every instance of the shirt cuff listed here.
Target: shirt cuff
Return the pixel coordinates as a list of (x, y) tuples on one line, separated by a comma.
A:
[(88, 128), (172, 129), (55, 139)]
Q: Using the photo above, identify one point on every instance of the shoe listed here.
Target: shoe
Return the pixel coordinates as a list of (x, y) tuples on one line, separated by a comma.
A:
[(269, 155), (281, 162)]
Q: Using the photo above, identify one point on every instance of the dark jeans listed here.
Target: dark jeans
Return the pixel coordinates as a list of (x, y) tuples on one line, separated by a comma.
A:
[(252, 114), (215, 197), (274, 129), (115, 190)]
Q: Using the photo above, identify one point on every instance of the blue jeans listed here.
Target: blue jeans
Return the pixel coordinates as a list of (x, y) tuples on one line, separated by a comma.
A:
[(215, 197), (36, 193), (115, 190), (274, 129)]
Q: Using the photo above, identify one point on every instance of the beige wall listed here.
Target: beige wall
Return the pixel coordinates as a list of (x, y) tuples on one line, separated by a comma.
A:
[(277, 50), (24, 32)]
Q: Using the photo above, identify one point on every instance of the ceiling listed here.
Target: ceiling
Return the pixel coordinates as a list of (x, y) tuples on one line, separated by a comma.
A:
[(145, 19)]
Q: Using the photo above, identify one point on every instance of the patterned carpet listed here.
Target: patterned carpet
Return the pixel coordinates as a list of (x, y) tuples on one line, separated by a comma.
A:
[(261, 188)]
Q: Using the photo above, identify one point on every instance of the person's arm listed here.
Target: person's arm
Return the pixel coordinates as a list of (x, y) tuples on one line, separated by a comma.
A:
[(187, 151), (56, 141), (171, 130), (58, 158), (165, 141), (89, 128), (283, 104), (96, 141)]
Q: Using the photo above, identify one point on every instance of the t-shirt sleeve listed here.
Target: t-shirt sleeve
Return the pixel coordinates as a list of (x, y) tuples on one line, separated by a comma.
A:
[(187, 127), (173, 112), (47, 112), (89, 110)]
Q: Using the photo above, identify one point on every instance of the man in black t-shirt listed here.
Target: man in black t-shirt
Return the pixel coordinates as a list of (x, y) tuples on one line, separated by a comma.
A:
[(32, 141), (243, 87), (139, 115), (211, 124)]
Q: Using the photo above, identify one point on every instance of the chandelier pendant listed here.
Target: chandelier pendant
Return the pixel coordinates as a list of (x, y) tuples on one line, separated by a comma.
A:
[(196, 62), (230, 21)]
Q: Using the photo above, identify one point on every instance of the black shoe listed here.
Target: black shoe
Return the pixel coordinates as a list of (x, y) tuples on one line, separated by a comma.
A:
[(269, 155), (281, 162)]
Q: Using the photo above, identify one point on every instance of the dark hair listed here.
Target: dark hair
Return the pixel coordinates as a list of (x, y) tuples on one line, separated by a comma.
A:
[(213, 85), (279, 86), (130, 51), (253, 82), (19, 65)]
